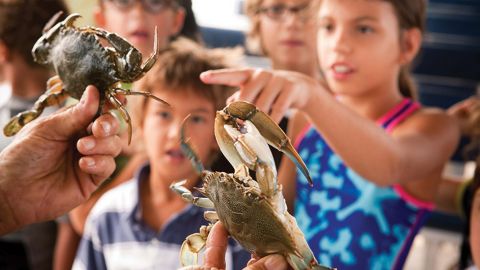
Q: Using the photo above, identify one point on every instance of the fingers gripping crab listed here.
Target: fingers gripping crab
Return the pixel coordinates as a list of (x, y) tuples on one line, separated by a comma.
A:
[(253, 211), (79, 59)]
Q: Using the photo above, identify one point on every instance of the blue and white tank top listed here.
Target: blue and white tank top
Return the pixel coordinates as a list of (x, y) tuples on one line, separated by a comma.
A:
[(349, 222)]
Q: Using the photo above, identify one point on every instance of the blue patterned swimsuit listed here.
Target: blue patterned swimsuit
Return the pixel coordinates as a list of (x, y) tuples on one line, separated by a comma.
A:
[(349, 222)]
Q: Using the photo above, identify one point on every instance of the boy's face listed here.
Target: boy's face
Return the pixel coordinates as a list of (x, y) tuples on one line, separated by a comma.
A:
[(137, 24), (475, 228), (161, 132)]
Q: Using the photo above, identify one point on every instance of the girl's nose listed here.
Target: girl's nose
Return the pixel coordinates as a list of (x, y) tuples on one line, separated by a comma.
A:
[(341, 42)]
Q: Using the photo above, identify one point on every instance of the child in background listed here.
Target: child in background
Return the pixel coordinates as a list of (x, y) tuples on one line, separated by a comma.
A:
[(375, 155), (141, 224), (22, 81), (284, 31)]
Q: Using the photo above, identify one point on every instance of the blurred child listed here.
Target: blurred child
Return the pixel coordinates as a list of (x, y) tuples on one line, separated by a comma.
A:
[(142, 223), (22, 82), (375, 155), (285, 32)]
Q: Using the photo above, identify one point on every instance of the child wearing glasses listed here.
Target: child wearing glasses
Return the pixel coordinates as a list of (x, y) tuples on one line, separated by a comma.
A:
[(141, 224), (285, 33)]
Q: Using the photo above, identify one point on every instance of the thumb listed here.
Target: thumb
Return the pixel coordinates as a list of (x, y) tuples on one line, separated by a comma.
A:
[(76, 118)]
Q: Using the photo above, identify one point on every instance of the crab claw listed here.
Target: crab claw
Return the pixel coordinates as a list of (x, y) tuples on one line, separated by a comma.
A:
[(187, 149), (269, 130)]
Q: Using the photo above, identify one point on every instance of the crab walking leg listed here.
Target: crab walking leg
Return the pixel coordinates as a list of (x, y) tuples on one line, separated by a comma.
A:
[(53, 96), (269, 130), (53, 81), (192, 246), (188, 196), (126, 92), (119, 106)]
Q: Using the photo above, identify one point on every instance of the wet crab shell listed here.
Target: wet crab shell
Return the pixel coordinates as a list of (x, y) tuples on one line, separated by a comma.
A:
[(249, 216)]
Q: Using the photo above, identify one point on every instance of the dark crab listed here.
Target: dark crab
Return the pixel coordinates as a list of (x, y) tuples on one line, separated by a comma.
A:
[(79, 59), (253, 211)]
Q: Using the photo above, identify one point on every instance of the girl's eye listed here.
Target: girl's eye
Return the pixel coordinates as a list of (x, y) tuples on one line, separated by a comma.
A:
[(364, 29)]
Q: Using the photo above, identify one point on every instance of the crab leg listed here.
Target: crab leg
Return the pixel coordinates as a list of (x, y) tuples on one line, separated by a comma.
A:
[(188, 196), (53, 96), (188, 150), (269, 130)]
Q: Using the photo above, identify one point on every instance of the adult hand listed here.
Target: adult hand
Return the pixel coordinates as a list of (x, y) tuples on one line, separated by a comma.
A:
[(215, 254), (48, 170), (273, 92)]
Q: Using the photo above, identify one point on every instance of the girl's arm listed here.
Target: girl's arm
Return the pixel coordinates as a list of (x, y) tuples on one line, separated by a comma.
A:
[(417, 149)]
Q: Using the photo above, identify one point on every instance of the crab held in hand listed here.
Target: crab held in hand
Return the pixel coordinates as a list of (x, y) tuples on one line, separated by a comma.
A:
[(79, 59), (253, 211)]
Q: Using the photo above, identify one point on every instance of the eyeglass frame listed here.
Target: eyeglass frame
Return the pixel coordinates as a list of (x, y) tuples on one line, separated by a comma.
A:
[(165, 5), (285, 9)]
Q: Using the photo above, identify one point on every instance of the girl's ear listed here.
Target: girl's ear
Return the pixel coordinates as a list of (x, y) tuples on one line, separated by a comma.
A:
[(99, 17), (411, 42), (4, 53), (179, 21)]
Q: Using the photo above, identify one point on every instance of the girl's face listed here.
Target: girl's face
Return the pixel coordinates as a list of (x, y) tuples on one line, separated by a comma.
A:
[(287, 32), (137, 23), (161, 133), (359, 46), (475, 228)]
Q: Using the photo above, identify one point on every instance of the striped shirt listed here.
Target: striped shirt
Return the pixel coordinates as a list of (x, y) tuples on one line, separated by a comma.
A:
[(116, 237)]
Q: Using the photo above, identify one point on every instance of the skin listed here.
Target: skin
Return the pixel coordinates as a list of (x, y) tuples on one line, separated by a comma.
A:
[(363, 36), (161, 132), (138, 25), (62, 170), (289, 43)]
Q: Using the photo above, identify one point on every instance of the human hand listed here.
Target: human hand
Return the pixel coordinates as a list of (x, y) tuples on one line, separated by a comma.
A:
[(466, 112), (273, 92), (215, 254), (47, 170)]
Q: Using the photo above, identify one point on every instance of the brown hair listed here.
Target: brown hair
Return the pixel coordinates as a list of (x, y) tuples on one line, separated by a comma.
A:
[(178, 69), (22, 21), (411, 14)]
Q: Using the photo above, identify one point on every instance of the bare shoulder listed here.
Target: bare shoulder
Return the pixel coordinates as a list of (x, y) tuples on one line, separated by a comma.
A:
[(430, 121), (297, 123)]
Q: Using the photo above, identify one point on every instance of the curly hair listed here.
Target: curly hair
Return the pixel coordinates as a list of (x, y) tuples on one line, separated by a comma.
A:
[(22, 21)]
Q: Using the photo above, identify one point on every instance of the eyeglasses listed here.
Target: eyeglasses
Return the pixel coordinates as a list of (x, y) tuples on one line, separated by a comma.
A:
[(279, 12), (152, 6)]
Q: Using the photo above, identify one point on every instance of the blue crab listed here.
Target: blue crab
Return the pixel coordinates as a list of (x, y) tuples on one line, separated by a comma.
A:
[(253, 211), (79, 59)]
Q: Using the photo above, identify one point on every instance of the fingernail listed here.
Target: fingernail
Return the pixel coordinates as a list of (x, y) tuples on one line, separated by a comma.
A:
[(88, 144), (274, 262), (90, 161), (106, 127)]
